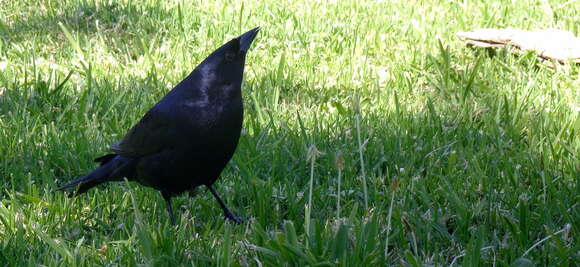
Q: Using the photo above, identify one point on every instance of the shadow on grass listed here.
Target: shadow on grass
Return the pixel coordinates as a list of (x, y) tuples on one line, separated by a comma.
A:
[(470, 170), (472, 164), (87, 17)]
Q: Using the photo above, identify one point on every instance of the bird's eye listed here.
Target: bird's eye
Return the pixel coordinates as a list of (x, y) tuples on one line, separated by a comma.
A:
[(230, 56)]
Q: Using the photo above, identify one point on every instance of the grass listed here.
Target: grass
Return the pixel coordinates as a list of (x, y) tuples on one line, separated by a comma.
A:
[(446, 155)]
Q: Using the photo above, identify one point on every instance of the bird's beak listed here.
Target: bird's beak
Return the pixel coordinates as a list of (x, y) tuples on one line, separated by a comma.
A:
[(247, 38)]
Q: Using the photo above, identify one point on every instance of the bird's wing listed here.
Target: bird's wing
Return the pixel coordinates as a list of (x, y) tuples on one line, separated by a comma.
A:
[(150, 135)]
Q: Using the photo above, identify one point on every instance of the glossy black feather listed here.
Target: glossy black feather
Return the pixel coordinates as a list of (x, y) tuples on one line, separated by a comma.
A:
[(188, 137)]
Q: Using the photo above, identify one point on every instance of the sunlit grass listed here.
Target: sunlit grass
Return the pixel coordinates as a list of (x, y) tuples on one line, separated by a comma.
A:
[(468, 156)]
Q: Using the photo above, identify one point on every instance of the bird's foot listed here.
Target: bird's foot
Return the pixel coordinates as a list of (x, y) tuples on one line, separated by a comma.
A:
[(233, 218), (172, 220)]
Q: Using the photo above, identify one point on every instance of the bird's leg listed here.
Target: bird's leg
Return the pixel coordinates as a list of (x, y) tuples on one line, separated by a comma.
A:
[(229, 215), (167, 198)]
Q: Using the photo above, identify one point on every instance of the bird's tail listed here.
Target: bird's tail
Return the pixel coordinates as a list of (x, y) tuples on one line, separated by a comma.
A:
[(108, 171)]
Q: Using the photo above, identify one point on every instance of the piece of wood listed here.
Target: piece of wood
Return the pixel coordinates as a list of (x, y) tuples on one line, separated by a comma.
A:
[(558, 45)]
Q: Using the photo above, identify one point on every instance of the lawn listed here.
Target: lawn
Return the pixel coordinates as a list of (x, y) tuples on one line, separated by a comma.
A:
[(372, 136)]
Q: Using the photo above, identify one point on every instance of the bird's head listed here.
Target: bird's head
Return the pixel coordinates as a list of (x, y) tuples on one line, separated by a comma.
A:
[(225, 66)]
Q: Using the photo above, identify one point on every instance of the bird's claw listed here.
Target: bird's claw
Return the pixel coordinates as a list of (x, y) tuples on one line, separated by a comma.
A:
[(233, 218)]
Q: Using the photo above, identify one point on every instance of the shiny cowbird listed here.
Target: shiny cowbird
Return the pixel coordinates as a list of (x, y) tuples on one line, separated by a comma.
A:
[(188, 137)]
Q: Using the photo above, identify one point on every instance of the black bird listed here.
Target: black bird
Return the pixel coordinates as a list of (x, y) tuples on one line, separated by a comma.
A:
[(188, 137)]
